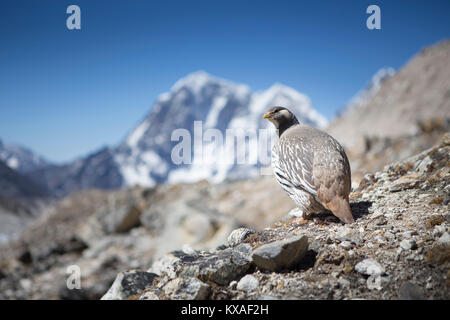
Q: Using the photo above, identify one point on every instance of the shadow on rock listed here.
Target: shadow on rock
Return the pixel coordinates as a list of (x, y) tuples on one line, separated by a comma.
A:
[(360, 208), (308, 261)]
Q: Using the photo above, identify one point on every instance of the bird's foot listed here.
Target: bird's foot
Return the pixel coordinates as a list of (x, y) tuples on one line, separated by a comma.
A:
[(300, 221)]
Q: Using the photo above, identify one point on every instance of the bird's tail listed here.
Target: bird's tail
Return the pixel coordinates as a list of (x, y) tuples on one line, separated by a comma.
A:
[(341, 209)]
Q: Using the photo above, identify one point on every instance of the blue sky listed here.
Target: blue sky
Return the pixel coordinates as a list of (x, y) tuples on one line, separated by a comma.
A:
[(64, 93)]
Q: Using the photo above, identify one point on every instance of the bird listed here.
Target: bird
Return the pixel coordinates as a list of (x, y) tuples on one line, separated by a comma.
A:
[(311, 166)]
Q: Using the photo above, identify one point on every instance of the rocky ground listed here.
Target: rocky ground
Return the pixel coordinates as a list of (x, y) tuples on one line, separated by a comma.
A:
[(399, 246), (379, 151), (104, 232)]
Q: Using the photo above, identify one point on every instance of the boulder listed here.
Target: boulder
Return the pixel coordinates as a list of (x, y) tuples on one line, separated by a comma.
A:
[(129, 284), (282, 254)]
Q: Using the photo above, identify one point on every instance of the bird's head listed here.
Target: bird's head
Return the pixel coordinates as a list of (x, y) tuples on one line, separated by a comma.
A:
[(281, 117)]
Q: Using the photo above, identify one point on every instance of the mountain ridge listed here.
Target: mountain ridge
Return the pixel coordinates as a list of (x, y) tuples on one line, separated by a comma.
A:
[(143, 157), (21, 158), (420, 90)]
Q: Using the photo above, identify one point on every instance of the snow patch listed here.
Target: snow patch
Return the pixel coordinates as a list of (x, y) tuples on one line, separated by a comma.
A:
[(371, 88), (137, 134), (13, 163), (213, 114)]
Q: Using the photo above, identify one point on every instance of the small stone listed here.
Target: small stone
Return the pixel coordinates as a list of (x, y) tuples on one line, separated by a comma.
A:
[(149, 295), (349, 234), (409, 291), (165, 265), (295, 213), (120, 218), (445, 238), (348, 268), (186, 289), (220, 267), (187, 249), (380, 239), (232, 284), (369, 267), (248, 283), (381, 221), (239, 235), (408, 234), (282, 254), (435, 220), (439, 230), (26, 284), (377, 214), (408, 244), (346, 244), (221, 247), (376, 282), (129, 283), (404, 183), (344, 283), (425, 165)]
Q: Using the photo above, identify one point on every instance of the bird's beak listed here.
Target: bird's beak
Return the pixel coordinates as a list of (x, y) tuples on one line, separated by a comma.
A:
[(267, 115)]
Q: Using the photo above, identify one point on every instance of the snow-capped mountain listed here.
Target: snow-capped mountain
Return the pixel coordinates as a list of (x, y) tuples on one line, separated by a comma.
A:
[(371, 88), (96, 170), (145, 156), (20, 159), (202, 108)]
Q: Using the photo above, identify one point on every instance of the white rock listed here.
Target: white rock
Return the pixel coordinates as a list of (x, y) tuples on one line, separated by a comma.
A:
[(26, 284), (165, 265), (408, 244), (369, 267), (344, 282), (376, 282), (439, 230), (233, 284), (248, 283), (445, 238), (129, 283), (237, 236), (186, 289), (295, 213), (346, 244), (187, 249)]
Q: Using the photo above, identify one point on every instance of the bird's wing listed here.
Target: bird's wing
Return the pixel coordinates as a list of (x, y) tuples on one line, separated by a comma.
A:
[(296, 158)]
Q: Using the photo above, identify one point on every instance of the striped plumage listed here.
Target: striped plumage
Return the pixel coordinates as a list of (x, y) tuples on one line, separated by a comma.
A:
[(311, 166)]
